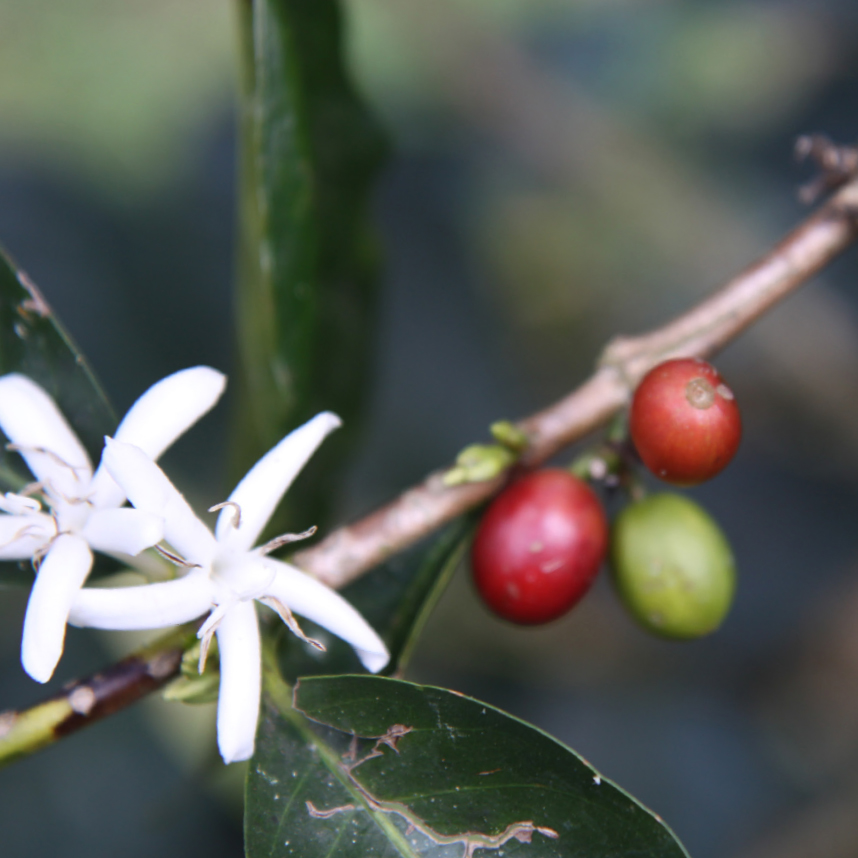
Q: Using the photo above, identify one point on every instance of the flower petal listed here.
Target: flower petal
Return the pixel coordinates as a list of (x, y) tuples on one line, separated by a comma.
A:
[(151, 606), (123, 531), (317, 602), (58, 581), (18, 504), (31, 419), (258, 494), (163, 413), (150, 490), (240, 682), (21, 536)]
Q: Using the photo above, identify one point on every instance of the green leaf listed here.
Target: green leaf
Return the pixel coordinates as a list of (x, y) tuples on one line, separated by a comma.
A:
[(33, 342), (395, 598), (307, 256), (388, 768)]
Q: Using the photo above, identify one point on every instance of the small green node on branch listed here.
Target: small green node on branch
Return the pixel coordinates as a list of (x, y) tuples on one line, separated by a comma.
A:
[(596, 465), (479, 463), (192, 685), (509, 435)]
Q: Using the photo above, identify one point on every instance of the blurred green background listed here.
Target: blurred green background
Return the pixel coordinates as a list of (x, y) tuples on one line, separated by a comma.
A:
[(563, 171)]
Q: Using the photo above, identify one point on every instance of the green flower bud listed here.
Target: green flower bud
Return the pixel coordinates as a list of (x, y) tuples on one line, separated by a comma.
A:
[(508, 434), (672, 566), (191, 686), (478, 463), (199, 689)]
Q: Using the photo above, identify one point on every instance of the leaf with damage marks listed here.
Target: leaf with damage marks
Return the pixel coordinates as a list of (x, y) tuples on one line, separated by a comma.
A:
[(372, 766)]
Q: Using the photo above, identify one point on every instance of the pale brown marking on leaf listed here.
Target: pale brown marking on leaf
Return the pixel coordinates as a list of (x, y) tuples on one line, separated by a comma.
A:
[(327, 814), (471, 840), (351, 754), (36, 303), (393, 735)]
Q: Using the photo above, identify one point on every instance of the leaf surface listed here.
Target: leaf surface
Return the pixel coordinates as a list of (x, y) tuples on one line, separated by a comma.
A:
[(307, 255), (34, 343), (373, 766)]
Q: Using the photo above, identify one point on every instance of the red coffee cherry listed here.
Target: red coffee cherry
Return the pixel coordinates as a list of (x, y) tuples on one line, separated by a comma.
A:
[(539, 546), (684, 421)]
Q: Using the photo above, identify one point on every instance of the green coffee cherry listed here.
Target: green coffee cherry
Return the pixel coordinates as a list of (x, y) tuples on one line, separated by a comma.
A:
[(672, 566)]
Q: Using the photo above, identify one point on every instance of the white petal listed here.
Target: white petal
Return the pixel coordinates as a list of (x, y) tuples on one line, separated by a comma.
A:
[(152, 606), (258, 494), (315, 601), (31, 419), (18, 504), (21, 536), (240, 682), (164, 412), (150, 490), (59, 579), (123, 531)]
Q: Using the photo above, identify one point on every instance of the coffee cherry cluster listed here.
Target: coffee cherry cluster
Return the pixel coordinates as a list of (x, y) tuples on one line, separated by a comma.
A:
[(543, 539)]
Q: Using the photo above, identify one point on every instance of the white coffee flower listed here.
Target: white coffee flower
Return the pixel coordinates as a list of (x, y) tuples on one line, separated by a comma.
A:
[(226, 574), (82, 511)]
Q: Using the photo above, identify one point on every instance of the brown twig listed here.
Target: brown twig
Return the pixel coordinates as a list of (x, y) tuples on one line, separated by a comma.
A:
[(352, 550), (86, 701)]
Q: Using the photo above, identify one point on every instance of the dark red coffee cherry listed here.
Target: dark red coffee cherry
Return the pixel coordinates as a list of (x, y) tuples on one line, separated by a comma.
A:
[(684, 421), (539, 546)]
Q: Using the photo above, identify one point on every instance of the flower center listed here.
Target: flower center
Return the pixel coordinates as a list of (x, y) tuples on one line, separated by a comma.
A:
[(71, 514), (241, 575)]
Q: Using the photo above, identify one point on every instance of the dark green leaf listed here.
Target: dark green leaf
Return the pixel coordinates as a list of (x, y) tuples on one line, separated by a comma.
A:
[(396, 598), (33, 342), (392, 768), (310, 151)]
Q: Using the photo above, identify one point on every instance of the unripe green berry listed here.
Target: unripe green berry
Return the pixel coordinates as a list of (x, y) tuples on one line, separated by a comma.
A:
[(672, 566)]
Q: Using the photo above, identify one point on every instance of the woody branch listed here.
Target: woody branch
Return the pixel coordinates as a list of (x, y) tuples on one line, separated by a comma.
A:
[(352, 550)]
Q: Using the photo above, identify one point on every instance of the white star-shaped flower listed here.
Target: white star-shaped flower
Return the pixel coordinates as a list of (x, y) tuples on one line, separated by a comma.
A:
[(83, 507), (226, 574)]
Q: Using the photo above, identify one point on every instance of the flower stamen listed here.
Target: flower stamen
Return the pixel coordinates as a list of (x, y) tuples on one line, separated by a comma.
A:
[(289, 618), (208, 629), (236, 512), (41, 552), (285, 539), (175, 559), (23, 448), (31, 489)]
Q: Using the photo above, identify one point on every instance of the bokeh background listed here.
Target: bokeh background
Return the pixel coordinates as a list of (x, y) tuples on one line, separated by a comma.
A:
[(562, 171)]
